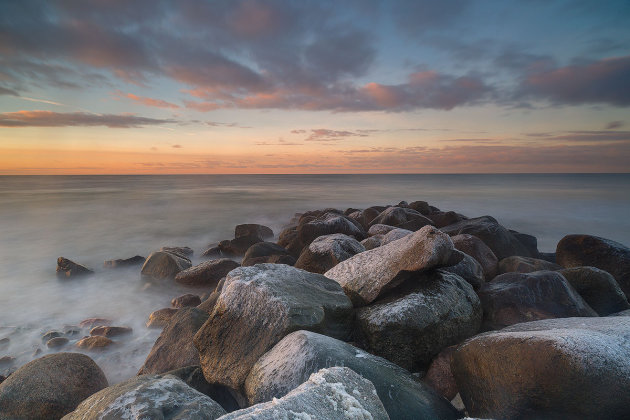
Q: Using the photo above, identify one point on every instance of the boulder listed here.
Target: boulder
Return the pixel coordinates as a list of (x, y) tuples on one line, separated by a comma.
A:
[(501, 241), (327, 251), (598, 288), (161, 317), (51, 334), (257, 307), (593, 251), (368, 274), (333, 394), (127, 262), (208, 304), (107, 331), (174, 348), (237, 247), (516, 264), (267, 252), (421, 207), (468, 269), (440, 376), (411, 325), (405, 218), (622, 313), (193, 377), (444, 218), (475, 247), (252, 229), (512, 298), (380, 229), (274, 375), (49, 387), (93, 322), (148, 397), (4, 343), (68, 268), (394, 235), (164, 265), (57, 342), (184, 251), (327, 224), (290, 240), (94, 342), (573, 368), (207, 274), (185, 301), (213, 252)]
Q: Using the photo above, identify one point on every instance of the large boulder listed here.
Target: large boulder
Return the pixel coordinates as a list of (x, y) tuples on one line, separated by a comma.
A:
[(253, 229), (444, 218), (573, 368), (512, 298), (327, 251), (327, 224), (598, 288), (185, 301), (184, 251), (401, 217), (440, 375), (148, 397), (68, 268), (275, 374), (516, 264), (174, 347), (193, 377), (267, 252), (207, 273), (333, 394), (367, 275), (380, 229), (468, 269), (290, 240), (415, 322), (49, 387), (164, 265), (475, 247), (161, 317), (257, 307), (501, 241), (607, 255)]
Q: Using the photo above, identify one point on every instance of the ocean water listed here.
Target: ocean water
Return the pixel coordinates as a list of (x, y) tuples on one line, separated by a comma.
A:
[(90, 219)]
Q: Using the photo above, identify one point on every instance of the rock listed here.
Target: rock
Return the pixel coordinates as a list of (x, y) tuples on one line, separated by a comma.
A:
[(174, 347), (593, 251), (127, 262), (424, 315), (512, 298), (441, 219), (50, 387), (548, 256), (405, 218), (51, 334), (238, 246), (208, 273), (186, 300), (372, 242), (290, 240), (440, 376), (4, 343), (94, 342), (6, 361), (67, 268), (257, 307), (302, 353), (57, 342), (394, 235), (468, 269), (2, 378), (421, 207), (267, 252), (622, 313), (148, 397), (525, 265), (260, 231), (501, 241), (164, 265), (380, 229), (161, 317), (368, 274), (193, 377), (213, 252), (332, 394), (598, 288), (184, 251), (557, 368), (208, 304), (71, 330), (107, 331), (327, 224), (475, 247), (93, 322), (327, 251)]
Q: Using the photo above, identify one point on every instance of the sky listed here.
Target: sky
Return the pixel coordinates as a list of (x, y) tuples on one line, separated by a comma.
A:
[(280, 86)]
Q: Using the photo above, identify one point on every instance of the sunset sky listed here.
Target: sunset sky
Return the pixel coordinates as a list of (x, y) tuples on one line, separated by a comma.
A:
[(271, 86)]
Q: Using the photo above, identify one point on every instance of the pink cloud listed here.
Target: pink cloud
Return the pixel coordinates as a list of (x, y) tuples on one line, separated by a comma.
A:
[(159, 103)]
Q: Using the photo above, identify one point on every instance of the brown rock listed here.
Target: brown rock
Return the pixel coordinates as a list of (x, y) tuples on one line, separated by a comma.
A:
[(208, 273), (290, 240), (440, 377), (161, 317), (107, 331), (267, 252), (260, 231), (475, 247), (184, 251), (164, 265), (208, 304), (57, 342), (127, 262), (598, 288), (404, 218), (67, 268), (93, 322), (525, 265), (186, 300), (441, 219), (94, 342)]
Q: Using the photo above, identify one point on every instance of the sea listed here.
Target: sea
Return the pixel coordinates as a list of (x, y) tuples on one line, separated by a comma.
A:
[(90, 219)]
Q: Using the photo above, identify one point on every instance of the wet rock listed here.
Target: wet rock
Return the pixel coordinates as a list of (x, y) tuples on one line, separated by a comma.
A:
[(368, 274), (51, 334), (593, 251), (267, 252), (127, 262), (208, 273), (185, 301), (569, 368), (442, 218), (213, 252), (416, 321), (174, 348), (71, 330), (334, 393), (405, 218), (94, 342), (184, 251), (380, 229), (57, 342), (148, 397), (622, 313), (68, 268), (475, 247), (327, 251), (290, 240), (93, 322), (164, 265), (525, 265), (329, 223), (237, 247), (421, 207), (7, 361), (208, 304), (4, 343), (598, 288), (468, 269), (161, 317), (257, 307), (50, 387), (440, 376), (512, 298), (107, 331), (301, 353), (252, 229)]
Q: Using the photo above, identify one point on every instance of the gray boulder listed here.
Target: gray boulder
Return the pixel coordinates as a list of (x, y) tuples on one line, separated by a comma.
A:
[(367, 275), (207, 273), (275, 374), (401, 217), (257, 307), (475, 247), (326, 224), (468, 269), (372, 242), (327, 251), (394, 235), (164, 265), (598, 288), (380, 229)]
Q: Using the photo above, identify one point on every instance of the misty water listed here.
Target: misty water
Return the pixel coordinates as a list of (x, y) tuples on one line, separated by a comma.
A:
[(90, 219)]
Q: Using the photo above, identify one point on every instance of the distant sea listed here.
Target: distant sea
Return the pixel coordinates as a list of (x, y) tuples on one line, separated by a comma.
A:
[(93, 218)]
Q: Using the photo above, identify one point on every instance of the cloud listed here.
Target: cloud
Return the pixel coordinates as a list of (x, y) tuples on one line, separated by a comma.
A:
[(583, 136), (159, 103), (280, 142), (75, 119), (614, 125), (6, 91), (326, 135), (177, 146)]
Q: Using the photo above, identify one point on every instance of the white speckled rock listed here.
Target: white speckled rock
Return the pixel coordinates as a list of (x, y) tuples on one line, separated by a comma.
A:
[(367, 275), (334, 394), (327, 251), (148, 397)]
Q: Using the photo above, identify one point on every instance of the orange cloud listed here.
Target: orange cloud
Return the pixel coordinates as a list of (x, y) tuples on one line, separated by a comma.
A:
[(159, 103)]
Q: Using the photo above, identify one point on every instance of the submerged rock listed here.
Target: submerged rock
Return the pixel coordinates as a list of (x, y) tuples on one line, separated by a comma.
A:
[(68, 268), (164, 265), (57, 342), (208, 273), (107, 331), (127, 262), (94, 342), (93, 322)]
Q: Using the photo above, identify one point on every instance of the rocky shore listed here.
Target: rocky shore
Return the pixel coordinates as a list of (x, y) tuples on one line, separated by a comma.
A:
[(400, 311)]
